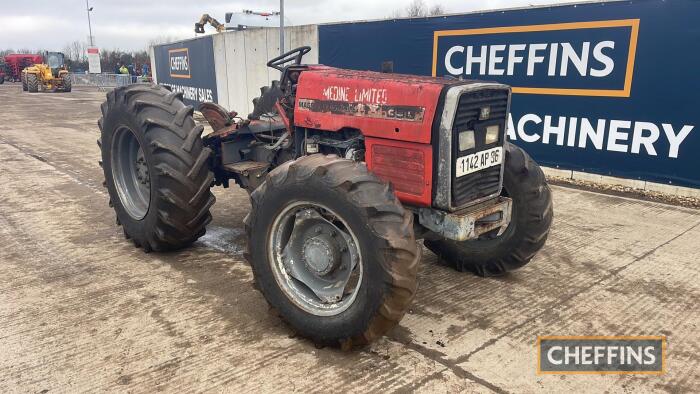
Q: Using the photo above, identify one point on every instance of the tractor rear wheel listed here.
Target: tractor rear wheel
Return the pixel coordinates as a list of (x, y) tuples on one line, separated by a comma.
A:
[(332, 250), (155, 166), (67, 83), (492, 254), (23, 77), (32, 83)]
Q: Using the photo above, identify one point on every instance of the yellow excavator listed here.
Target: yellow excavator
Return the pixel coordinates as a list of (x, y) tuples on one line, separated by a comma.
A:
[(51, 75), (199, 26), (241, 17)]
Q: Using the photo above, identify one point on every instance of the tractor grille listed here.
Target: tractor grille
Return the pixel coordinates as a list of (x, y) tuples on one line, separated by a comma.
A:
[(486, 182)]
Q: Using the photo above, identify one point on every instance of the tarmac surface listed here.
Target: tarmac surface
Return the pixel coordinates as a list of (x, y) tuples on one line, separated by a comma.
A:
[(81, 309)]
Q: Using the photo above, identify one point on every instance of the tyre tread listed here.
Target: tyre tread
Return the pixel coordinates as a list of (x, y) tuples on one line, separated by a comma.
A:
[(183, 206), (381, 210)]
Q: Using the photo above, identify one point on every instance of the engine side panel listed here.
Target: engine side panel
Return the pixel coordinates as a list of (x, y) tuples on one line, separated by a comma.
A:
[(391, 106), (408, 166)]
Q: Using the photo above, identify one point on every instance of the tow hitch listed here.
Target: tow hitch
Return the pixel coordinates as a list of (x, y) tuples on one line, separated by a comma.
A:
[(469, 223)]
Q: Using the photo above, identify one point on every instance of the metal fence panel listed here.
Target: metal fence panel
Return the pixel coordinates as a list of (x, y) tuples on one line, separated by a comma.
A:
[(104, 81)]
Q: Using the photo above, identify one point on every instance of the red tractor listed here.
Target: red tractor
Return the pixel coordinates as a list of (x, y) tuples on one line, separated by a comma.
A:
[(345, 170)]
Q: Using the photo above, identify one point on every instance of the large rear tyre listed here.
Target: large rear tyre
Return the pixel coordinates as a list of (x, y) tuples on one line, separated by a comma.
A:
[(155, 167), (493, 255), (32, 83), (332, 250), (23, 77)]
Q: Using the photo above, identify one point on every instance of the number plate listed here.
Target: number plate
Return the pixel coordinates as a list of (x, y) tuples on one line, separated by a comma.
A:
[(479, 160)]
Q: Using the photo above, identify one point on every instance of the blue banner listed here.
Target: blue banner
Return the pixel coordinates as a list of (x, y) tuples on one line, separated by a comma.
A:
[(188, 67), (608, 88)]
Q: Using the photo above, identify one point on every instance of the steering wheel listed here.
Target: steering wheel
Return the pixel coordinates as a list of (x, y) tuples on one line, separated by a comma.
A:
[(294, 55)]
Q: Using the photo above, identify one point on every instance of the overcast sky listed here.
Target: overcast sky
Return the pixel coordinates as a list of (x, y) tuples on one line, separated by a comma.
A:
[(131, 24)]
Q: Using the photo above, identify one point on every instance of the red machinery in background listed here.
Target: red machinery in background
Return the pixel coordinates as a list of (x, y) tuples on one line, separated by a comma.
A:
[(16, 62)]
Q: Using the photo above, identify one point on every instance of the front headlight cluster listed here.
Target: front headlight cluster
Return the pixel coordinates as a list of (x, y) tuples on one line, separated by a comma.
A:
[(467, 140), (492, 134)]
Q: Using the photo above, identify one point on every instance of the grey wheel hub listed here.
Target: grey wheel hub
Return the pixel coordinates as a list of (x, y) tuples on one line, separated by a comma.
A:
[(141, 168), (321, 253), (315, 258), (130, 173)]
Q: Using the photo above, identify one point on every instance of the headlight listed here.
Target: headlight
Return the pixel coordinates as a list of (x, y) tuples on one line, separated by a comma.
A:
[(492, 134), (466, 140)]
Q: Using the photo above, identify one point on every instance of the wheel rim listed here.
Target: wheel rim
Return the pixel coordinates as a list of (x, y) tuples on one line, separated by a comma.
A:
[(315, 258), (130, 173)]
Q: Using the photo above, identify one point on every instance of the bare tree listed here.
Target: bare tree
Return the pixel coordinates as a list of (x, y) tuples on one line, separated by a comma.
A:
[(78, 51), (417, 8), (68, 52), (436, 10)]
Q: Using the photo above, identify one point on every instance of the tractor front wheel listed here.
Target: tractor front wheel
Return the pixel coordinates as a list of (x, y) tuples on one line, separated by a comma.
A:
[(23, 77), (67, 83), (332, 250), (32, 83), (155, 166), (493, 254)]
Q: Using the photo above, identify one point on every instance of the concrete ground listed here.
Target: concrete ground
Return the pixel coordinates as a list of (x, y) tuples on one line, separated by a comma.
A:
[(81, 309)]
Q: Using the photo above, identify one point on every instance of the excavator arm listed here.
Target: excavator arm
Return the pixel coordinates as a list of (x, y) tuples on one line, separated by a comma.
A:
[(199, 26)]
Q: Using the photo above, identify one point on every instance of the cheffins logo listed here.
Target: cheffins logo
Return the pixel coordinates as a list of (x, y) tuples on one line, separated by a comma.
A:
[(601, 355), (576, 59), (179, 63)]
